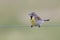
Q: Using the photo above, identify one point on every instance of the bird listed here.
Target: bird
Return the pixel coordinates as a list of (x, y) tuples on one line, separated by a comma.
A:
[(36, 20)]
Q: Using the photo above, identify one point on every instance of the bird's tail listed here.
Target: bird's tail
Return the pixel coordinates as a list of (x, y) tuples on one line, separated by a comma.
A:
[(47, 20)]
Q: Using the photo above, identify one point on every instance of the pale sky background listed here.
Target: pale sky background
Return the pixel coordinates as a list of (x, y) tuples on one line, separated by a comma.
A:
[(16, 11)]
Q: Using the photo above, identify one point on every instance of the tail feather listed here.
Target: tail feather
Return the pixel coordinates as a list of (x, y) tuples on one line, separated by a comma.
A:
[(47, 20)]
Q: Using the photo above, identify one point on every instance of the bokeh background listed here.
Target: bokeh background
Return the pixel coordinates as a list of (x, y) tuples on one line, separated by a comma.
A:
[(15, 22)]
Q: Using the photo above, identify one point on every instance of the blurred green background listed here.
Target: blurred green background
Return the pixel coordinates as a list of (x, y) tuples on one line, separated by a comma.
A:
[(15, 23)]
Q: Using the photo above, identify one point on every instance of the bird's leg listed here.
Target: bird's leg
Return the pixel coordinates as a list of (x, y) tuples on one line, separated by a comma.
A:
[(31, 26), (39, 26)]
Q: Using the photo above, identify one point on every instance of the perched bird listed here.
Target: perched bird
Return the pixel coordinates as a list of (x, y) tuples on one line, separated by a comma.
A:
[(36, 20)]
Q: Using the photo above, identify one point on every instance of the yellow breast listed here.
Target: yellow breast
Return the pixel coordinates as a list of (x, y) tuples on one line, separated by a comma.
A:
[(33, 21)]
